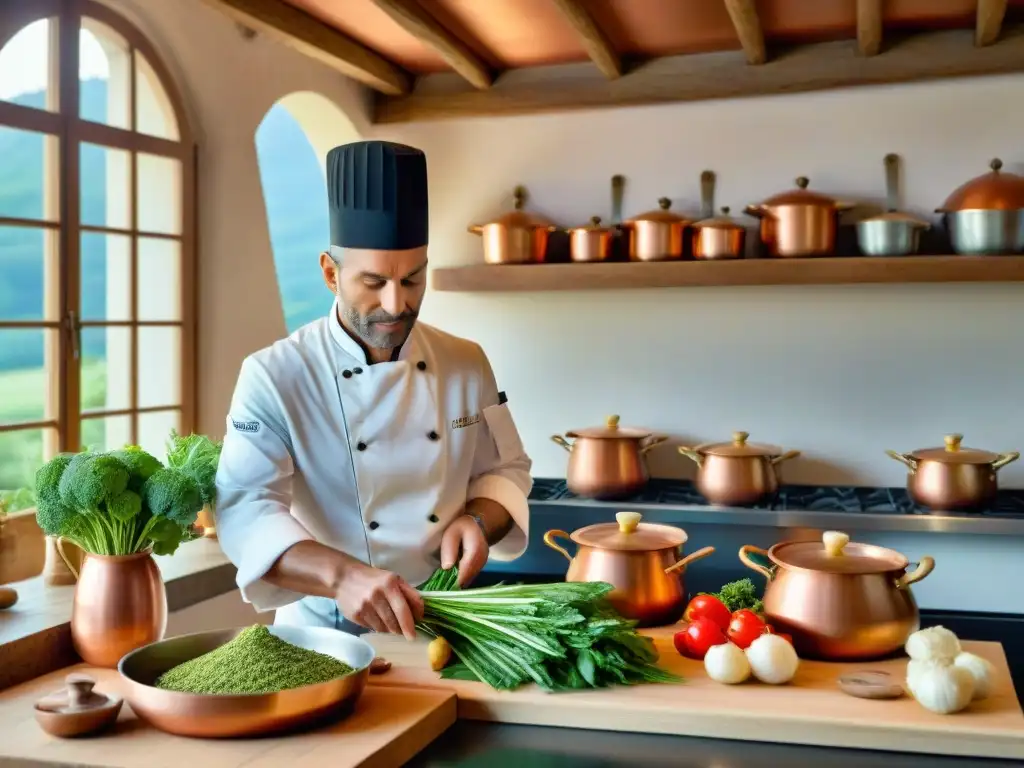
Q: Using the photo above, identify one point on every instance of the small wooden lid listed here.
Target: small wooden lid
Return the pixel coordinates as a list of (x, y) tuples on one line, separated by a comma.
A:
[(871, 684), (77, 697)]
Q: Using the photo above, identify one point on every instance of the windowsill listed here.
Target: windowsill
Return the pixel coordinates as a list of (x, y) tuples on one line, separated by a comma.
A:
[(35, 633)]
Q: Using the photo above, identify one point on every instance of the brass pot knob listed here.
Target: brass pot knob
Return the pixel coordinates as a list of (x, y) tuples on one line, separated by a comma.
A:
[(835, 542), (612, 422), (953, 442), (518, 197), (664, 203), (740, 438), (628, 521), (802, 182), (996, 165)]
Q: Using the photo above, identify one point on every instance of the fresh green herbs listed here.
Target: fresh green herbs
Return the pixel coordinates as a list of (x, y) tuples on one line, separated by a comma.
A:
[(739, 594), (563, 636), (255, 661), (125, 501)]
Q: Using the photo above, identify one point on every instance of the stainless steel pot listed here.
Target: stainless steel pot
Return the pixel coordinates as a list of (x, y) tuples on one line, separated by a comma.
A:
[(892, 233), (986, 215)]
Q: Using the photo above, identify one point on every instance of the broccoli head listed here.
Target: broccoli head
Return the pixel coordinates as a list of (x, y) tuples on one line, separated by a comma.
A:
[(91, 479), (55, 518), (48, 477), (173, 495), (125, 506), (140, 464)]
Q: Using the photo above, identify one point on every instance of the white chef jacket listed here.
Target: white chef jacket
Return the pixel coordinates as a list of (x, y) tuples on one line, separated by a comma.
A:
[(372, 460)]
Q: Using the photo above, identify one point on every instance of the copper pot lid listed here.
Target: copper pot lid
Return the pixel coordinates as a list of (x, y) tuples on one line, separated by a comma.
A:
[(835, 553), (518, 218), (955, 453), (719, 222), (800, 196), (613, 430), (661, 215), (628, 534), (739, 447), (993, 191), (593, 226)]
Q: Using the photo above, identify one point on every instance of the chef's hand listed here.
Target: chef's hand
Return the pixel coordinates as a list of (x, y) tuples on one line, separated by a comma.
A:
[(379, 600), (464, 535)]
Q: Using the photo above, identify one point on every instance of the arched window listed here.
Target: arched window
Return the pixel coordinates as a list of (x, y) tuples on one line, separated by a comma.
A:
[(97, 239)]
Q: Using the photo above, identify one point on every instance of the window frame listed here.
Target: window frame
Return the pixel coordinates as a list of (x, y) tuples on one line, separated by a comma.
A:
[(62, 121)]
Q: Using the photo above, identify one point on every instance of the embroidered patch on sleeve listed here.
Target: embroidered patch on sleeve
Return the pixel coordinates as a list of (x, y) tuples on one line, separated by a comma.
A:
[(246, 426)]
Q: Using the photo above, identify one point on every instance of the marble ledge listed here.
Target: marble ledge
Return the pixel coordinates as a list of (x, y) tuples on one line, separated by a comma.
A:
[(35, 634)]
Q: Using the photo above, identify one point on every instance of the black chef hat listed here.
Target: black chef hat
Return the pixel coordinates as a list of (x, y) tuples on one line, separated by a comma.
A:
[(377, 192)]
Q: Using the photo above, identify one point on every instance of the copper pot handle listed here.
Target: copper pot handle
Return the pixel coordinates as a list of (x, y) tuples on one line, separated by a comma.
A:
[(1004, 459), (475, 229), (692, 454), (699, 554), (652, 442), (923, 569), (549, 539), (775, 460), (562, 442), (59, 543), (745, 551), (909, 461)]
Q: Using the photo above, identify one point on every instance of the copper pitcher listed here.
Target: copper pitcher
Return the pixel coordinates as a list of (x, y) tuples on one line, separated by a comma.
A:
[(799, 223), (953, 478), (738, 473), (641, 560), (839, 601), (517, 237), (607, 462), (120, 604)]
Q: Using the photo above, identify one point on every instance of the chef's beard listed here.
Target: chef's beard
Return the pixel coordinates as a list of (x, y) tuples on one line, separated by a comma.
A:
[(367, 329)]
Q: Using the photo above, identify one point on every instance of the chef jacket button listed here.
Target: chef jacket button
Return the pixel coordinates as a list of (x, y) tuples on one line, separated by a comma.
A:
[(422, 365), (347, 374), (433, 435), (374, 525), (357, 370), (360, 446), (433, 518)]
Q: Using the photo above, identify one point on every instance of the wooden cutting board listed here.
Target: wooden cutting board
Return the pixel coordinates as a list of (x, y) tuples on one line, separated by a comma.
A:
[(388, 727), (810, 710)]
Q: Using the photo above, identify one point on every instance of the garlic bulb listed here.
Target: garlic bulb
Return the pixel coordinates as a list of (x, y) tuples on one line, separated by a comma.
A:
[(772, 659), (916, 667), (934, 643), (982, 671), (943, 688), (726, 663)]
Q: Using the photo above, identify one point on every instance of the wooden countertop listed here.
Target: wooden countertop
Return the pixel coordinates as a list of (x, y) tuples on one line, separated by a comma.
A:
[(35, 634)]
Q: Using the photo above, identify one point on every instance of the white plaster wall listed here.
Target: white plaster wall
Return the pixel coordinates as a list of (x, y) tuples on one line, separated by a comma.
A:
[(227, 610)]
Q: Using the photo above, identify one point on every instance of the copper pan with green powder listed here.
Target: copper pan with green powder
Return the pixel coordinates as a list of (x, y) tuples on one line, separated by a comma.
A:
[(246, 682)]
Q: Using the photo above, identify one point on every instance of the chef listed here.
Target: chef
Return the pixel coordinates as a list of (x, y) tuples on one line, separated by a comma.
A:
[(367, 448)]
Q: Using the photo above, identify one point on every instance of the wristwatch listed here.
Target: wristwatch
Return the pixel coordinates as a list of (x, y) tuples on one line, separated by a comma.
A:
[(480, 522)]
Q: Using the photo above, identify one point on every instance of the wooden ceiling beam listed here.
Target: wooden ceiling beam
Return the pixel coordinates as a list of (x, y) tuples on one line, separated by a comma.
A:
[(414, 19), (989, 21), (596, 43), (318, 40), (748, 29), (869, 27)]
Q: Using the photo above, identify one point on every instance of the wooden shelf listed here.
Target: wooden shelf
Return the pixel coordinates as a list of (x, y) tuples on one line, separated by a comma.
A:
[(686, 274)]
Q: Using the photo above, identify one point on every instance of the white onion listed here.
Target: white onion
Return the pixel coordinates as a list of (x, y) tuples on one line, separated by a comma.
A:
[(726, 663), (982, 671), (772, 659), (934, 643)]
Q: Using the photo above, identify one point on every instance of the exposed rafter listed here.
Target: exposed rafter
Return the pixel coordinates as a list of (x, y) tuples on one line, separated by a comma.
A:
[(869, 27), (989, 21), (417, 21), (748, 29), (595, 41), (319, 41)]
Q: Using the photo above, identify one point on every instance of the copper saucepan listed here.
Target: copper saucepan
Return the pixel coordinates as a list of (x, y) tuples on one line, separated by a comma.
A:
[(799, 223), (608, 462), (657, 235), (591, 242), (641, 560), (716, 237), (517, 237), (737, 473), (838, 600), (953, 478)]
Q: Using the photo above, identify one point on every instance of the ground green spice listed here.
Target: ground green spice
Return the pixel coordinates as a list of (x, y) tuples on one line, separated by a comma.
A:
[(254, 662)]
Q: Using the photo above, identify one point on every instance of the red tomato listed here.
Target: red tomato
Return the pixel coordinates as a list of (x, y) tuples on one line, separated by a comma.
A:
[(745, 627), (784, 636), (700, 634), (708, 607)]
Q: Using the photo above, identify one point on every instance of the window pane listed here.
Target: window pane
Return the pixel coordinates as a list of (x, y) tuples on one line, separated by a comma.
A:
[(159, 194), (155, 428), (159, 281), (159, 370), (25, 174), (105, 277), (25, 389), (154, 114), (22, 452), (106, 369), (28, 262), (104, 78), (106, 434), (25, 67), (105, 187)]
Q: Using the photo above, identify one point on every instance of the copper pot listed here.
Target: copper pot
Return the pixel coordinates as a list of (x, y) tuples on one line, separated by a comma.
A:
[(738, 473), (838, 600), (517, 237), (798, 223), (953, 478), (591, 242), (986, 215), (719, 238), (656, 235), (607, 462), (642, 561), (120, 605)]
